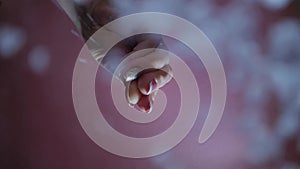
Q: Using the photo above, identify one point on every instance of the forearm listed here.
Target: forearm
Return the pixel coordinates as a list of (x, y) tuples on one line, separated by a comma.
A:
[(143, 72), (91, 16)]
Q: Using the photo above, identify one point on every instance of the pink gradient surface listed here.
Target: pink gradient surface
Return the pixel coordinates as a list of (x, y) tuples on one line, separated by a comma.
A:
[(39, 127)]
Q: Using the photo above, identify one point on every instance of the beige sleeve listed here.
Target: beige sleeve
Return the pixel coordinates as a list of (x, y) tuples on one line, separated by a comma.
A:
[(101, 41), (69, 7)]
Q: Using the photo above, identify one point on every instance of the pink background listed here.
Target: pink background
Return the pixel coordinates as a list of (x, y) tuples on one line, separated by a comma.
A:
[(39, 127)]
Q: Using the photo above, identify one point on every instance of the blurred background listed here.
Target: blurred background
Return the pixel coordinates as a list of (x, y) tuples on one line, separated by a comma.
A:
[(258, 42)]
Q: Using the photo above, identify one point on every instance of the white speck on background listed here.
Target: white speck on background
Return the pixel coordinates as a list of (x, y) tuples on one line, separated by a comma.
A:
[(12, 39), (38, 59), (74, 32)]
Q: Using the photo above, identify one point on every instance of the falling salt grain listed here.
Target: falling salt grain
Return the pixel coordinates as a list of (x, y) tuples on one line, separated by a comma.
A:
[(90, 17), (39, 59), (75, 33)]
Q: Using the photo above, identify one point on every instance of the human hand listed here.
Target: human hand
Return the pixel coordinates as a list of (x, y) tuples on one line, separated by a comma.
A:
[(144, 72), (142, 75)]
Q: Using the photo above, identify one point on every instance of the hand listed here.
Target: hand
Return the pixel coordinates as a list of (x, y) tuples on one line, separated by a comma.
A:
[(141, 92), (154, 70)]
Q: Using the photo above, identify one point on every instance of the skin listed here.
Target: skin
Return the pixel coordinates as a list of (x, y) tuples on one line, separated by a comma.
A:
[(140, 92)]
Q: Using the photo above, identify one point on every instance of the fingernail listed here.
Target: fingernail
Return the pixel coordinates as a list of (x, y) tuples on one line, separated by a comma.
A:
[(131, 105), (152, 85)]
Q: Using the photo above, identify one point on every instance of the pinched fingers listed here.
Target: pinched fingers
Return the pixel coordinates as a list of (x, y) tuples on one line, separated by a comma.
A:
[(141, 92), (155, 79)]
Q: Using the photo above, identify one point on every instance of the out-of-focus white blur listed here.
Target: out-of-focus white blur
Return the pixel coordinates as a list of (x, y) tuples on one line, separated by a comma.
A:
[(258, 42)]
